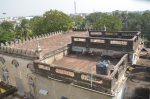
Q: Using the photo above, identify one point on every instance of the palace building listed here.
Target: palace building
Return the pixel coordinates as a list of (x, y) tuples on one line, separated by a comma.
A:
[(75, 65)]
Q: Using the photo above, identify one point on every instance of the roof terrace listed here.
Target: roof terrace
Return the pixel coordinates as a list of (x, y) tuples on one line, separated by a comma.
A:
[(84, 63), (83, 70), (50, 43)]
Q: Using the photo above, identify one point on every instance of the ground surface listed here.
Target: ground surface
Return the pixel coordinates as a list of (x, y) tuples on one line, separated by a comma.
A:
[(84, 63)]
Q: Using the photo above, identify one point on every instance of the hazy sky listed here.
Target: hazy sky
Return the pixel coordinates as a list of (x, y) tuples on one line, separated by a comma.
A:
[(38, 7)]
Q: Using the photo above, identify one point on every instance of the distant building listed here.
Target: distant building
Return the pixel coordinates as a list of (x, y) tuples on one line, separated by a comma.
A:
[(79, 14), (16, 20)]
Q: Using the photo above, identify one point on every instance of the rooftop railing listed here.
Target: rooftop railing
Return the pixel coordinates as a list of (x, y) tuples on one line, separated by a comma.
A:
[(102, 83)]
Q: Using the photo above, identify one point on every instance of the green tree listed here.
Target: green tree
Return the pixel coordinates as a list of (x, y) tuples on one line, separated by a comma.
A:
[(37, 25), (145, 26), (133, 22), (146, 21), (79, 21), (23, 30), (6, 31), (111, 22), (56, 20), (92, 18), (7, 25)]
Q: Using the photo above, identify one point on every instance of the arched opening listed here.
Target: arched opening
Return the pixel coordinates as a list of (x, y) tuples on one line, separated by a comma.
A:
[(15, 63), (18, 77), (30, 66)]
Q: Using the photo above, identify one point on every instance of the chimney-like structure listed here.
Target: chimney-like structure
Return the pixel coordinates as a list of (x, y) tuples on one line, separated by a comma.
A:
[(38, 51)]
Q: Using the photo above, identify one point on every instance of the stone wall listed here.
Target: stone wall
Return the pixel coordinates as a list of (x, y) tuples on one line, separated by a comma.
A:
[(79, 88), (19, 61), (18, 52), (56, 54), (18, 68), (57, 89), (99, 82), (116, 44)]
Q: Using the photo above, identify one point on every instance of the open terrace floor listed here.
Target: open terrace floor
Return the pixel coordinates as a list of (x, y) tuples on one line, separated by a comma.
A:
[(83, 63)]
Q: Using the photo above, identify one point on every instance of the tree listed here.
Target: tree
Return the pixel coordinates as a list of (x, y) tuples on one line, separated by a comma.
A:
[(6, 31), (133, 22), (23, 30), (7, 25), (146, 21), (92, 18), (111, 22), (79, 21), (37, 25), (145, 26), (56, 20)]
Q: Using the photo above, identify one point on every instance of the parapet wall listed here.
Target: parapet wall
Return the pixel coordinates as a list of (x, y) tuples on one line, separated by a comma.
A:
[(9, 47), (17, 52), (96, 82), (19, 41)]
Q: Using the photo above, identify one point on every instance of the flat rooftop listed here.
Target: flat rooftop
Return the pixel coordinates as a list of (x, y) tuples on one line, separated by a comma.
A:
[(57, 41), (83, 63), (50, 43)]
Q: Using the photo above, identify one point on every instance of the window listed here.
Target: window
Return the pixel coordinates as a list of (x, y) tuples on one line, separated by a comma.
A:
[(97, 41), (44, 67), (80, 39), (64, 97)]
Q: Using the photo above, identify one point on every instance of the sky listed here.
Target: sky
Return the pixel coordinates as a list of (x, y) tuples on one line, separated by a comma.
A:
[(14, 8)]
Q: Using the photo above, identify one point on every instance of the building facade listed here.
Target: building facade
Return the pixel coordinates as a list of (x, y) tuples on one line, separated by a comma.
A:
[(32, 65)]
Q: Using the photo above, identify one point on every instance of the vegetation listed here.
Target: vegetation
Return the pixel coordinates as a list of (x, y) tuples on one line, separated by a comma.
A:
[(6, 31), (55, 20), (79, 21), (23, 30), (92, 18), (51, 21), (111, 22)]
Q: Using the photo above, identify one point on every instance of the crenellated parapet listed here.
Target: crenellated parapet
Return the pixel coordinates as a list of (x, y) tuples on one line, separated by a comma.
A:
[(33, 38), (18, 52)]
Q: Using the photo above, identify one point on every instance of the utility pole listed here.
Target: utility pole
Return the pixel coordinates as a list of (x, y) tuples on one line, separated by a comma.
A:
[(75, 7)]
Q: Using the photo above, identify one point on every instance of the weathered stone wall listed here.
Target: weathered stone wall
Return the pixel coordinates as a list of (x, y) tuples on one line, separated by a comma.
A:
[(57, 89), (106, 84), (18, 52), (18, 68), (56, 55), (19, 62)]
